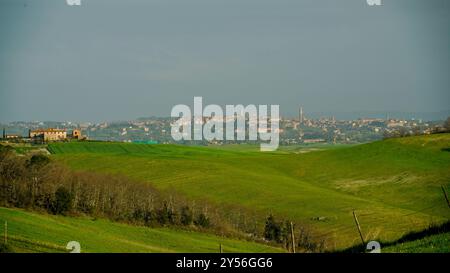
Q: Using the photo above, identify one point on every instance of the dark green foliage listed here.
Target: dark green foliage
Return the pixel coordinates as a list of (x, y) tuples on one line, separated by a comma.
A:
[(186, 216), (202, 221), (63, 201), (38, 161), (137, 215), (272, 230), (286, 234), (149, 217), (5, 248), (166, 215)]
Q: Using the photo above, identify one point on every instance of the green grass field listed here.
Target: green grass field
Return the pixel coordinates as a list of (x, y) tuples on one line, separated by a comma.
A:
[(35, 232), (433, 244), (393, 185)]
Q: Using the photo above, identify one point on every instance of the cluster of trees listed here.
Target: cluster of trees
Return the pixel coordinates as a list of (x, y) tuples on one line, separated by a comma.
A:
[(281, 233), (36, 182)]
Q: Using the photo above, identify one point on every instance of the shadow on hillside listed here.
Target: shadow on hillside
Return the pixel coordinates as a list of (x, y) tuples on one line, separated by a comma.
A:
[(411, 236)]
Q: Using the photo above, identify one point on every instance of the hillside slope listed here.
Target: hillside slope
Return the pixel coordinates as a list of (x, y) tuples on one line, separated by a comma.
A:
[(393, 185), (439, 243), (34, 232)]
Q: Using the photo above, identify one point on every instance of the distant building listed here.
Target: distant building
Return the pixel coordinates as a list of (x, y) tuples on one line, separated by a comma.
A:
[(395, 123), (15, 136), (49, 134), (300, 115), (314, 140), (6, 136), (76, 134)]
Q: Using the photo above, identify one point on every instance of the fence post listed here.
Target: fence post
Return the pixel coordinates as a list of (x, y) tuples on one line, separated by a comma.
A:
[(445, 195), (292, 238), (359, 228)]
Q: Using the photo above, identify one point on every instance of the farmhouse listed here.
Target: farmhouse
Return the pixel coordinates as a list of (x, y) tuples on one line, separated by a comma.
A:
[(49, 134), (10, 136), (15, 136), (52, 134)]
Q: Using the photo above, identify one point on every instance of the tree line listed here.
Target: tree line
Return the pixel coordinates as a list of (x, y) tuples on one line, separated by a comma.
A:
[(36, 182)]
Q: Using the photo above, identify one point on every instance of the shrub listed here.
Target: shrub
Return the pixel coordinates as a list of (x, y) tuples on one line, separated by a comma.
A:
[(186, 216), (272, 230), (38, 161), (166, 215), (149, 217), (5, 248), (202, 221), (63, 201)]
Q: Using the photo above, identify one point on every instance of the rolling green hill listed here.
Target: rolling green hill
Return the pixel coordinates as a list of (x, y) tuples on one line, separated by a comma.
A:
[(33, 232), (433, 244), (393, 185)]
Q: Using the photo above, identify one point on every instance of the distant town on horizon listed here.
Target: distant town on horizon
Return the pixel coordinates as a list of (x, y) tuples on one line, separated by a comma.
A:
[(298, 130)]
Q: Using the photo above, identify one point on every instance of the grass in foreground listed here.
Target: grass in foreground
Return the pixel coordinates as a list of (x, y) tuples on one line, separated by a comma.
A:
[(34, 232), (434, 239), (439, 243)]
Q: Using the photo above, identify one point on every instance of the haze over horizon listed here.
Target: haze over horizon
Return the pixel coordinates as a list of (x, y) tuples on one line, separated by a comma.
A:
[(119, 60)]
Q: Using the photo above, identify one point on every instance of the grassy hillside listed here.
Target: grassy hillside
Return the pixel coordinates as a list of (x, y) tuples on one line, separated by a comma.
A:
[(393, 185), (33, 232), (433, 244)]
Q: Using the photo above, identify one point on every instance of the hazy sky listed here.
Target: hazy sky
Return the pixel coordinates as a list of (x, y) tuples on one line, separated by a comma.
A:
[(122, 59)]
